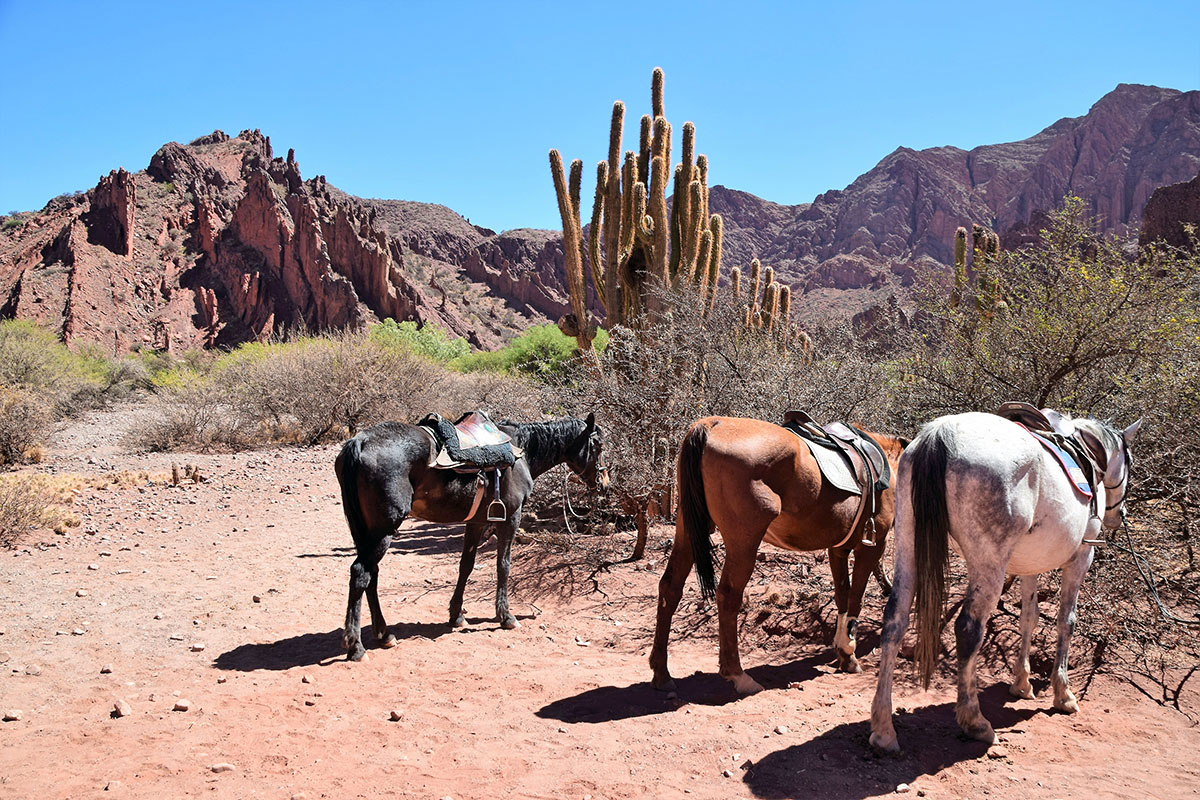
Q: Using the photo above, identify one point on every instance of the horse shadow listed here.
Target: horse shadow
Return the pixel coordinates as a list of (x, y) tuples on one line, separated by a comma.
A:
[(321, 649), (839, 764), (612, 703)]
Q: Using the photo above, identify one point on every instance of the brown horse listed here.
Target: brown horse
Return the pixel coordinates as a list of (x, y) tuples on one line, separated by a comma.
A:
[(758, 482)]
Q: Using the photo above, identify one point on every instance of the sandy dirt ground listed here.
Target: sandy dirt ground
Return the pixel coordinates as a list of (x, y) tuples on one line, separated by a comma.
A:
[(227, 597)]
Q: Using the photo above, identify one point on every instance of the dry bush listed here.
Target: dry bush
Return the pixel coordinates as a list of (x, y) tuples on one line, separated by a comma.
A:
[(648, 387), (30, 502), (25, 420), (195, 416)]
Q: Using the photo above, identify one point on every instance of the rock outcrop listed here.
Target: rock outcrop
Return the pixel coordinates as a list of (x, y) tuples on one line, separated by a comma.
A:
[(1169, 210)]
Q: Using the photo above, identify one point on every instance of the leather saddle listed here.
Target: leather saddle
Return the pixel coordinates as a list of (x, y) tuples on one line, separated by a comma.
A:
[(473, 445), (849, 460), (1063, 441)]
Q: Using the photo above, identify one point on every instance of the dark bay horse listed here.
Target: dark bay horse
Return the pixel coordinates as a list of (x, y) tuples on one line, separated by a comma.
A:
[(385, 477), (757, 482)]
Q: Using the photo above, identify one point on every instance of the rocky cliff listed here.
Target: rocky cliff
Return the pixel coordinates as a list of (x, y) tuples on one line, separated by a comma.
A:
[(218, 242), (1169, 210)]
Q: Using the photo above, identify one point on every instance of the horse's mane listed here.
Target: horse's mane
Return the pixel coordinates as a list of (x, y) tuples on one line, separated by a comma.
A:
[(535, 436)]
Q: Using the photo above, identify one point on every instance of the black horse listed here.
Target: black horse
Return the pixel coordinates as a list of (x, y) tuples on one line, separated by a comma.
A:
[(385, 477)]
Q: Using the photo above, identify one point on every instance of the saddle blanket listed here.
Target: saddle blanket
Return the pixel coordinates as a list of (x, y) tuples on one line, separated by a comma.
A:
[(835, 467), (1067, 462)]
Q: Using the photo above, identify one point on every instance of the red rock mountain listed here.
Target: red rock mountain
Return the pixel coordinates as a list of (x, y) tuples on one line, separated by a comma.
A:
[(218, 241)]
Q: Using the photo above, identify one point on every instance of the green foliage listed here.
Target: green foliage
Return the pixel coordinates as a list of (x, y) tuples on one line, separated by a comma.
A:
[(541, 351), (11, 222), (427, 340), (1078, 315)]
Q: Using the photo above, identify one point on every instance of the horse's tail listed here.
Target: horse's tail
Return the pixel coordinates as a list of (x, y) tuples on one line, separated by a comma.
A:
[(931, 534), (693, 507), (347, 471)]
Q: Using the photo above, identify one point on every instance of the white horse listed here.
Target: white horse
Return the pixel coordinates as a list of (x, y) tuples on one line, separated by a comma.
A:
[(1011, 509)]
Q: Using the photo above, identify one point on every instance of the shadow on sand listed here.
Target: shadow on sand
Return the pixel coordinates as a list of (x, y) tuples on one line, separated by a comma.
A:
[(611, 703), (839, 763), (309, 649)]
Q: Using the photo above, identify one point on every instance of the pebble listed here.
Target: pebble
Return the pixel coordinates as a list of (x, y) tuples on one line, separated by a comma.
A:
[(79, 632), (396, 715), (305, 679), (81, 593), (176, 637), (93, 566), (256, 598), (106, 669), (182, 705), (224, 766), (903, 788), (997, 752), (728, 773), (197, 647), (121, 709), (158, 615), (222, 679), (780, 729), (33, 669), (12, 715)]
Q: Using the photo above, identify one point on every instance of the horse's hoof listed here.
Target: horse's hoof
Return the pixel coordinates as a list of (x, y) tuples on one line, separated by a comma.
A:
[(982, 733), (509, 624), (388, 642), (1023, 690), (744, 684), (664, 685), (1068, 704), (885, 744), (849, 665), (458, 622), (357, 655)]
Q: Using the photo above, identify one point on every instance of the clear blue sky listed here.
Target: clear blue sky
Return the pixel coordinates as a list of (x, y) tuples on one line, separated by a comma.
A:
[(458, 103)]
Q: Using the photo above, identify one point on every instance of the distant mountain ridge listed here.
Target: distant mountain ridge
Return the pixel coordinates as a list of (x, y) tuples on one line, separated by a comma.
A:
[(219, 241)]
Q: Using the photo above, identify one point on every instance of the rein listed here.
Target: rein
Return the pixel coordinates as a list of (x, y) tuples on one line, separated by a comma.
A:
[(1126, 467)]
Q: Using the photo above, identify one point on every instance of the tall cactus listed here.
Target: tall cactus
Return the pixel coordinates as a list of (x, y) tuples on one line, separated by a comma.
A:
[(635, 246)]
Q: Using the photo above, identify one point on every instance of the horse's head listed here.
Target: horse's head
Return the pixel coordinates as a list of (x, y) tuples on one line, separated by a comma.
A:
[(587, 459), (1110, 448)]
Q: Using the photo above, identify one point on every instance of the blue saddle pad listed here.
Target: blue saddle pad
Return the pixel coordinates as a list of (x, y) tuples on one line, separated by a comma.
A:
[(1067, 462)]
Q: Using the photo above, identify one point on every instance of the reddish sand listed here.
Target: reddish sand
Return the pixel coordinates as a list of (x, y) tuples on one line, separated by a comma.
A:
[(253, 565)]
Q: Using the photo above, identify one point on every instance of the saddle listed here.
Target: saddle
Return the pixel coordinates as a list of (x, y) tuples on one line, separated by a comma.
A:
[(1063, 442), (473, 445), (849, 460)]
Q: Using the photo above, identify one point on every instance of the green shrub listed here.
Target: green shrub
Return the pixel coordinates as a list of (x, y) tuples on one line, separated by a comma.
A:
[(427, 340), (541, 351)]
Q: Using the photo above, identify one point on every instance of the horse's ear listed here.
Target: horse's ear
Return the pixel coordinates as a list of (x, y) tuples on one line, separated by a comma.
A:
[(591, 423), (1132, 431), (1096, 448)]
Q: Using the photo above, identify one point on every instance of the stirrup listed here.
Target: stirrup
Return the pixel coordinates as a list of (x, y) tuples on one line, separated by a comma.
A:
[(496, 511), (869, 538)]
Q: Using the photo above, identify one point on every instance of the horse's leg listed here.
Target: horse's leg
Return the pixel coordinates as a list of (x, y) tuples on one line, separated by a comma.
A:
[(360, 579), (1072, 579), (466, 563), (1021, 687), (504, 539), (866, 561), (378, 624), (983, 591), (895, 623), (843, 638), (670, 590), (739, 563)]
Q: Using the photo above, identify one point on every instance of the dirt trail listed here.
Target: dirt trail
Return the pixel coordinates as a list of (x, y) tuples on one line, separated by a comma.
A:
[(160, 583)]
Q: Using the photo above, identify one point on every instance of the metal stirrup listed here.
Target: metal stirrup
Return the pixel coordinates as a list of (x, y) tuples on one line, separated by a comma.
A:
[(496, 511)]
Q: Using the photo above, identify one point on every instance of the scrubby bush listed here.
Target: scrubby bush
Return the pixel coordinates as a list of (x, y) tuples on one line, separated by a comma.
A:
[(25, 419), (542, 351), (426, 340), (22, 508)]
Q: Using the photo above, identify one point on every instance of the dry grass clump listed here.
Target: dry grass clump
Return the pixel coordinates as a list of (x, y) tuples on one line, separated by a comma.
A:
[(317, 390), (25, 419)]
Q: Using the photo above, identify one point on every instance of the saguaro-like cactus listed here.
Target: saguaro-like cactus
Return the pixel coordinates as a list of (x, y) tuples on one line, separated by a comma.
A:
[(634, 244)]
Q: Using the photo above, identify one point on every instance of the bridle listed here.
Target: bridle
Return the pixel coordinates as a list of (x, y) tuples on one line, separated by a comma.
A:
[(1125, 469)]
